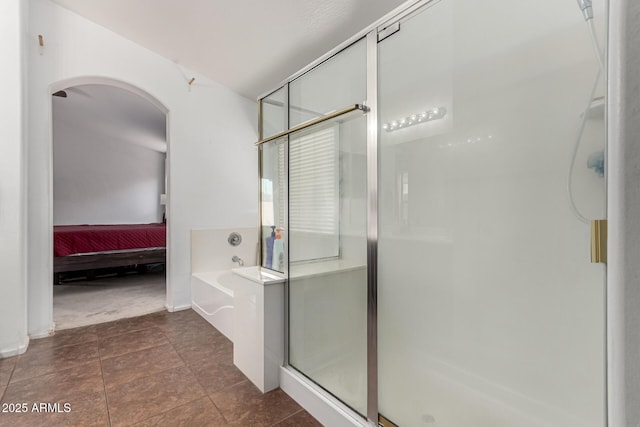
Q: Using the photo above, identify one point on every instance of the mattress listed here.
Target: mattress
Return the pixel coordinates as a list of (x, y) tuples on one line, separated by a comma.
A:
[(80, 239)]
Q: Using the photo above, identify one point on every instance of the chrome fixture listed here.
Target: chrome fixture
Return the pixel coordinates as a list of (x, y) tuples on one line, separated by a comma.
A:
[(414, 119), (234, 239), (585, 7), (239, 260)]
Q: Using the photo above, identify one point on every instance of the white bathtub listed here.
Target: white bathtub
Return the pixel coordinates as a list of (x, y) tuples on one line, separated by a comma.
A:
[(212, 295)]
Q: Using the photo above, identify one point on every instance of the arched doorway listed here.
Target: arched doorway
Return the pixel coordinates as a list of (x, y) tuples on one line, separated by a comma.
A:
[(108, 157)]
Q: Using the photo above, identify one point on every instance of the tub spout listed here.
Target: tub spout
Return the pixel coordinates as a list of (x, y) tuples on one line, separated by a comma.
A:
[(237, 259)]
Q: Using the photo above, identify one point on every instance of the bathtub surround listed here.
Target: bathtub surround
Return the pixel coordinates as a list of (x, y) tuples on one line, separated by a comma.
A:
[(211, 250), (212, 282)]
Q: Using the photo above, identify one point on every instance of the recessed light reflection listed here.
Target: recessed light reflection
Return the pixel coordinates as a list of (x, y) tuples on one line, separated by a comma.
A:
[(467, 141), (425, 116)]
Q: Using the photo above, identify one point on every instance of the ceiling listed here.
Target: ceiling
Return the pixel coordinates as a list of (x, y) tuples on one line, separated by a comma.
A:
[(249, 46), (113, 113)]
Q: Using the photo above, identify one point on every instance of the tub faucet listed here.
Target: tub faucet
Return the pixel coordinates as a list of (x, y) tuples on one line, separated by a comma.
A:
[(237, 259)]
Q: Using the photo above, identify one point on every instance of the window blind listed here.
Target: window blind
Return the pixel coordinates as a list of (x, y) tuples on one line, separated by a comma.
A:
[(282, 182), (313, 182)]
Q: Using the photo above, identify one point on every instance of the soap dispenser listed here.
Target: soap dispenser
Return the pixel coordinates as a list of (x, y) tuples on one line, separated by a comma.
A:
[(269, 244), (278, 251)]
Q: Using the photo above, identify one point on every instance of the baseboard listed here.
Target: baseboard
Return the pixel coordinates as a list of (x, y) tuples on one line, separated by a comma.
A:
[(325, 408), (178, 308), (15, 350), (42, 334)]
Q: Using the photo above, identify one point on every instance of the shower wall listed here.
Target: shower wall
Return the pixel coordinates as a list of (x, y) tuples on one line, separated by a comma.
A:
[(487, 299)]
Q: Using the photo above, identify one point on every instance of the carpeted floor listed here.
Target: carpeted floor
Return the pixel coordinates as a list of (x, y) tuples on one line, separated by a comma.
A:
[(87, 302)]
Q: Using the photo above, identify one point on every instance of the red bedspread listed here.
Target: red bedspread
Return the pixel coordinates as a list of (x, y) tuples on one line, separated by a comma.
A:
[(78, 239)]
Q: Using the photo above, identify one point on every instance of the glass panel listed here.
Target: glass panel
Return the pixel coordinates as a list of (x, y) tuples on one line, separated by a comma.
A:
[(336, 83), (273, 188), (490, 314), (313, 193), (274, 113), (328, 283)]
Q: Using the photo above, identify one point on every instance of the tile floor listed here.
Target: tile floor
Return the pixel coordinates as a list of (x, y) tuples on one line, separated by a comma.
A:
[(162, 369)]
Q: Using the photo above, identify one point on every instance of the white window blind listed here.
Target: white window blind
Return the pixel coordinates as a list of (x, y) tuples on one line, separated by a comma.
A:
[(313, 183), (282, 182)]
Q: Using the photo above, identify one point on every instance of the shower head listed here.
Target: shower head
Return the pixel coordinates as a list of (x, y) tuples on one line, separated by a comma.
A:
[(585, 7)]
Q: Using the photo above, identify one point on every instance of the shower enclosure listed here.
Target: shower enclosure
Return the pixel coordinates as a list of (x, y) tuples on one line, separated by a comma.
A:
[(432, 182)]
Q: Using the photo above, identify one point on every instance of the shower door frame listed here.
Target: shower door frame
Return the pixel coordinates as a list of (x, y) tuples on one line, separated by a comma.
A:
[(372, 226), (371, 34)]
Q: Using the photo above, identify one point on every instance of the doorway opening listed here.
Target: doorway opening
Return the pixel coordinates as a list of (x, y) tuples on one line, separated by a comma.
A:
[(109, 157)]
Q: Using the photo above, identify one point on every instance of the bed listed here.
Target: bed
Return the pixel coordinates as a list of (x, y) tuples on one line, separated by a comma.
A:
[(90, 247)]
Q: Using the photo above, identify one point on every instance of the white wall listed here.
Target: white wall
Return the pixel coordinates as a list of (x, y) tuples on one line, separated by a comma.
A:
[(211, 158), (624, 211), (103, 178), (13, 316)]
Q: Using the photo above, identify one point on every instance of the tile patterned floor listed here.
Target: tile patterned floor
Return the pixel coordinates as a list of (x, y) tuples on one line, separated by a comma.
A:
[(162, 369)]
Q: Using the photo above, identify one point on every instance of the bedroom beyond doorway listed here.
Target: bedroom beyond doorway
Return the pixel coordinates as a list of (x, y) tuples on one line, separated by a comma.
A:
[(109, 147)]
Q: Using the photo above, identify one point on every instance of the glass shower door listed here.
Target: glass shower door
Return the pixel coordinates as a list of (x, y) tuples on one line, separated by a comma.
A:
[(327, 228), (489, 311)]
